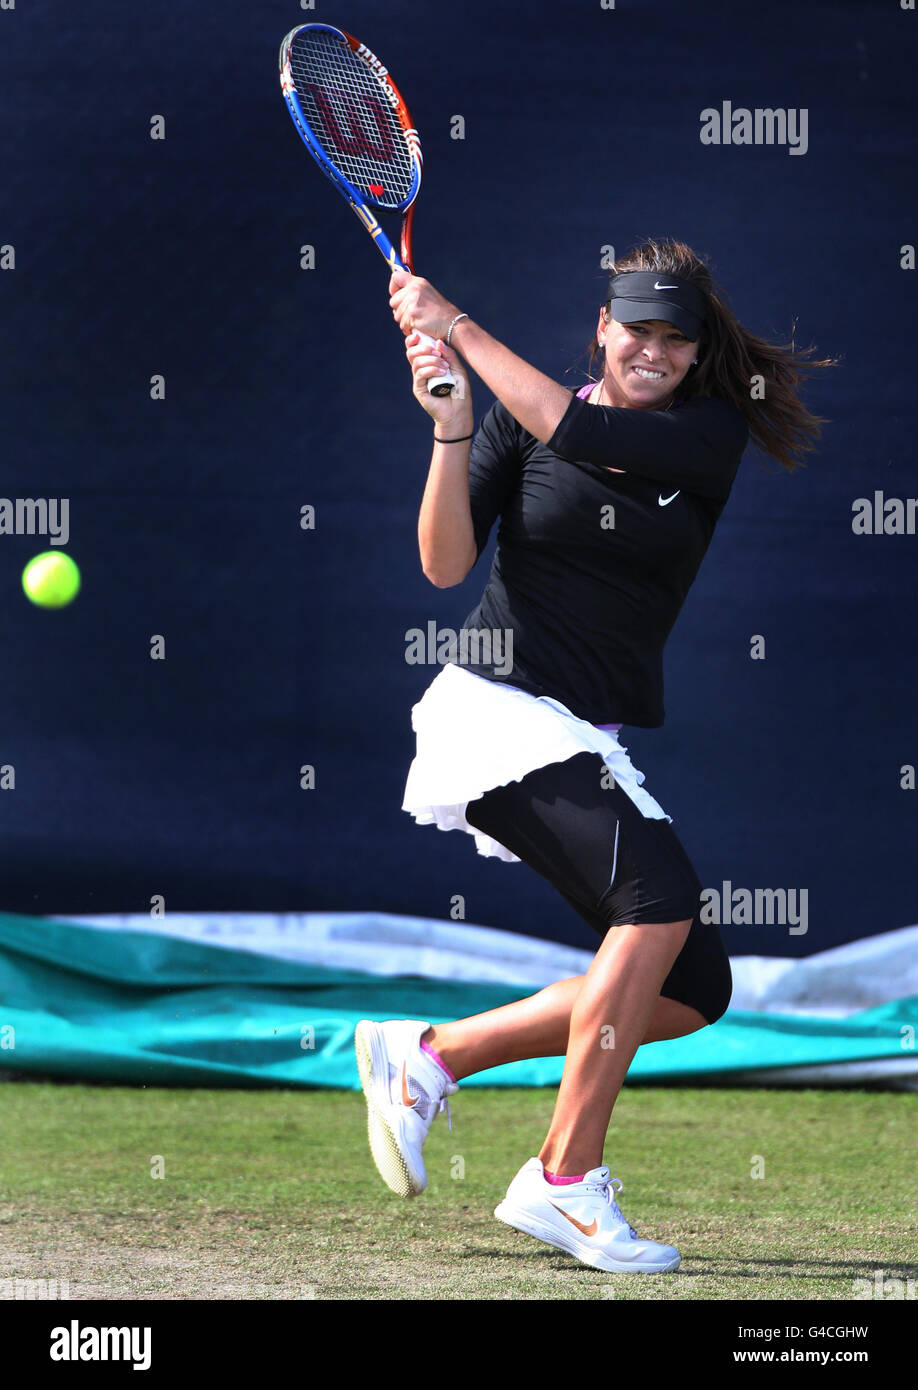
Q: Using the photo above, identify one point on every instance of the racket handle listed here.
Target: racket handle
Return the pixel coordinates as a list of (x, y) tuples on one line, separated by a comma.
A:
[(438, 385)]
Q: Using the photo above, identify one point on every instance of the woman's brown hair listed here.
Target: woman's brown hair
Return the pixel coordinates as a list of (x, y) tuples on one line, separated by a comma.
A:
[(734, 363)]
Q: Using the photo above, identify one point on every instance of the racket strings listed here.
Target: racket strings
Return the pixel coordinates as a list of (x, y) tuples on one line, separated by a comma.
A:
[(351, 116)]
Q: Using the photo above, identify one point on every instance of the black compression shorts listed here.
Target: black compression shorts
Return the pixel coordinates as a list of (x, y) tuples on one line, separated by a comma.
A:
[(611, 863)]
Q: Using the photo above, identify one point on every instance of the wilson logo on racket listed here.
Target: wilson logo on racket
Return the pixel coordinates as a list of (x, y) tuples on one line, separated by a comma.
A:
[(381, 72), (356, 140), (354, 122)]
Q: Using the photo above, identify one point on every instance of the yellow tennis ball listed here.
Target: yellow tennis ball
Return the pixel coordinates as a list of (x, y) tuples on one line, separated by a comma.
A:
[(52, 579)]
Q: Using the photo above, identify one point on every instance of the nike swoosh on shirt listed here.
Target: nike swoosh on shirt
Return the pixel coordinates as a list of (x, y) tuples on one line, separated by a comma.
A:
[(587, 1230), (664, 502)]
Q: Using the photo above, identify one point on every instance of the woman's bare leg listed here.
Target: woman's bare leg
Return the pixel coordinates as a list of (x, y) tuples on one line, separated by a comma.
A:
[(611, 1016), (538, 1027)]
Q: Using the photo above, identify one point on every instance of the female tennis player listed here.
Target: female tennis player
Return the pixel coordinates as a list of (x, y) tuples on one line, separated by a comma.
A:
[(608, 499)]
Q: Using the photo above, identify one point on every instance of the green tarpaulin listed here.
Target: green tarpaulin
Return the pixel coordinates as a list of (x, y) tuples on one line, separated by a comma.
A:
[(144, 1008)]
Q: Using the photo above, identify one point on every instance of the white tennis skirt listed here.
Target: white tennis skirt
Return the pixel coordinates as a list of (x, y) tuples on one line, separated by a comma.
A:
[(474, 734)]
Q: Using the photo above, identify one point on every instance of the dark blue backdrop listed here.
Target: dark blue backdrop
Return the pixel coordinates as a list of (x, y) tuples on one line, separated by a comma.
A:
[(287, 387)]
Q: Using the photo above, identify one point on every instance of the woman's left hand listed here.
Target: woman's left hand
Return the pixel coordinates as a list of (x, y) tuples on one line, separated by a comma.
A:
[(416, 305)]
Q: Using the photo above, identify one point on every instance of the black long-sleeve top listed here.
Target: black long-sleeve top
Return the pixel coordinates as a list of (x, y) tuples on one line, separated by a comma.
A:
[(590, 594)]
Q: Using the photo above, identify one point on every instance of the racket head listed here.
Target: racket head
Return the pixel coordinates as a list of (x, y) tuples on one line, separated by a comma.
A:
[(351, 117)]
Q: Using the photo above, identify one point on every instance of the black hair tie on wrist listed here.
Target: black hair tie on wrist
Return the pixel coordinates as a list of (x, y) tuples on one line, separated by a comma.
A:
[(461, 440)]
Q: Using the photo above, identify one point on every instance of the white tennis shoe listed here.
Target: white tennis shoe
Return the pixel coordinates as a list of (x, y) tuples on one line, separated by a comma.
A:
[(405, 1091), (582, 1218)]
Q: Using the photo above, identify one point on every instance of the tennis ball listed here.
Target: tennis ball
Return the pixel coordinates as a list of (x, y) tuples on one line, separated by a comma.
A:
[(52, 579)]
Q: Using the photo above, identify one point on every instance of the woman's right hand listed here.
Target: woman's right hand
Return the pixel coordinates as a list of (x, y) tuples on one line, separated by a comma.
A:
[(427, 362)]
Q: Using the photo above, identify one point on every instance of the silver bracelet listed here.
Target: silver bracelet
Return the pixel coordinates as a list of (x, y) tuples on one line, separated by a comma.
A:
[(449, 331)]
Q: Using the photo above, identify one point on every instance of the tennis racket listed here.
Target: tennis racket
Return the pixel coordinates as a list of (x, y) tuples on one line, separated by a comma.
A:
[(355, 124)]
